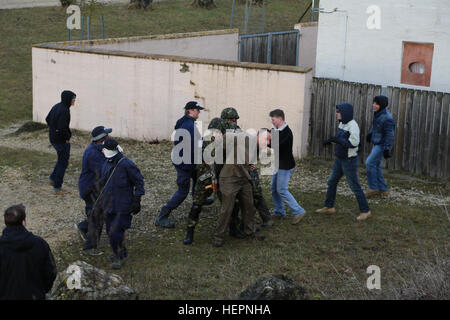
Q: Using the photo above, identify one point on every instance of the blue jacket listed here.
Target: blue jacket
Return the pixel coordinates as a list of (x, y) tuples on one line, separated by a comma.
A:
[(187, 123), (347, 138), (91, 169), (383, 129), (125, 184)]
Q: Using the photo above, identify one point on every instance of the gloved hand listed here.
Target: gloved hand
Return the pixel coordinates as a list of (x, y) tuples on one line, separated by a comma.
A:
[(136, 205), (369, 138), (329, 141), (387, 154)]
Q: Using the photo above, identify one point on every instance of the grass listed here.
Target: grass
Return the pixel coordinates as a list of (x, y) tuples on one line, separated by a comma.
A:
[(328, 255), (21, 28)]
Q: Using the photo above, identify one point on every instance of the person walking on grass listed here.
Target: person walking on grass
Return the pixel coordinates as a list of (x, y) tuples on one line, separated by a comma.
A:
[(58, 120), (382, 136), (88, 187), (280, 180), (347, 146)]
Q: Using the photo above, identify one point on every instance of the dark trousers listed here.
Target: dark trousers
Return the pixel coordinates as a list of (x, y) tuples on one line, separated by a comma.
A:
[(349, 168), (63, 152), (183, 182), (116, 225), (93, 223)]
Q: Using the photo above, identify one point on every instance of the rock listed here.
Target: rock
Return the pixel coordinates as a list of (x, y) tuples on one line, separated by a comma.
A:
[(30, 126), (81, 281), (274, 287)]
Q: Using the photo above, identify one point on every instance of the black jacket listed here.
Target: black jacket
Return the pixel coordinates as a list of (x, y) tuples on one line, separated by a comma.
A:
[(27, 266), (58, 119), (285, 155)]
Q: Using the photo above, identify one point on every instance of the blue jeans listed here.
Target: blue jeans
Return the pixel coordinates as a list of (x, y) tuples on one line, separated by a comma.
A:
[(374, 172), (280, 193), (183, 181), (349, 168), (63, 152)]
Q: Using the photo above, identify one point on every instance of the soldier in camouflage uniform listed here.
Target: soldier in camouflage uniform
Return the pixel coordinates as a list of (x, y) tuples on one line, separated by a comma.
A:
[(229, 117), (201, 194)]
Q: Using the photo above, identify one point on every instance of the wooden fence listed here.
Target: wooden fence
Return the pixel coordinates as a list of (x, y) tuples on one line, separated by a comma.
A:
[(274, 48), (422, 135)]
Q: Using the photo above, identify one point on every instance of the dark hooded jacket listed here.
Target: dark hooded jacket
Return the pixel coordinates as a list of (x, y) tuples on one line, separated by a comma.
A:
[(27, 266), (125, 184), (58, 119), (91, 169), (188, 123), (383, 126), (347, 138)]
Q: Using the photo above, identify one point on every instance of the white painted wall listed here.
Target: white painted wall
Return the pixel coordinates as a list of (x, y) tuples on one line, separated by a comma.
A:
[(221, 45), (308, 44), (142, 97), (375, 56)]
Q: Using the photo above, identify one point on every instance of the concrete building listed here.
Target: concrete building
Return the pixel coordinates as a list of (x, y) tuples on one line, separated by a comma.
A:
[(139, 86), (401, 43)]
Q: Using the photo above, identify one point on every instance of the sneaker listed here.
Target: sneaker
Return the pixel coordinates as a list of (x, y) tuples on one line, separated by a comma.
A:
[(370, 193), (117, 263), (297, 219), (81, 232), (326, 210), (93, 252), (363, 216)]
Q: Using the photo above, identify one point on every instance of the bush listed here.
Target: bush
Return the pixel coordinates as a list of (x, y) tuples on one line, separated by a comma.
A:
[(140, 4)]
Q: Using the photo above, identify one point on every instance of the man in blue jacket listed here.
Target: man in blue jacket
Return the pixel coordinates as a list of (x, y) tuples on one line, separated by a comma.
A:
[(123, 187), (186, 169), (382, 136), (347, 146), (88, 186), (58, 120)]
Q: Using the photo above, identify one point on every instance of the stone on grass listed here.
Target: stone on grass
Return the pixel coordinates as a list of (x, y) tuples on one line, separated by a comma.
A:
[(82, 281)]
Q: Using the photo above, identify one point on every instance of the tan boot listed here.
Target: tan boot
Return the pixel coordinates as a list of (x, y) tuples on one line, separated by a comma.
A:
[(370, 193), (363, 216), (297, 219), (384, 193), (326, 210)]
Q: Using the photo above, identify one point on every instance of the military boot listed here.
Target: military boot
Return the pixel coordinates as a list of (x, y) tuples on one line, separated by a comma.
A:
[(189, 235), (163, 218)]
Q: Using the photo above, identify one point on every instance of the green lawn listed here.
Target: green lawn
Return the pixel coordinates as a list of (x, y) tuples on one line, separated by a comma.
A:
[(20, 28)]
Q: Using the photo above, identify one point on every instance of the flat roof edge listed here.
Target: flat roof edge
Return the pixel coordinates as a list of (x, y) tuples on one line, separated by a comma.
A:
[(139, 55), (151, 37)]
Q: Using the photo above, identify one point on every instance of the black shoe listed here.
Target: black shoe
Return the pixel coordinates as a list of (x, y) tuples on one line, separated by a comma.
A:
[(163, 219), (116, 262), (189, 235), (236, 233), (209, 201)]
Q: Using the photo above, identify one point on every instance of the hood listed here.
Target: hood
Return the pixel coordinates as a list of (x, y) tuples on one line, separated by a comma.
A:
[(183, 120), (346, 111), (66, 97), (382, 101), (16, 238)]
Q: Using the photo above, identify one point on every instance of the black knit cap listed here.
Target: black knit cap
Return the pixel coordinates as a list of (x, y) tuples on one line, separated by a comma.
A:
[(382, 101), (110, 144)]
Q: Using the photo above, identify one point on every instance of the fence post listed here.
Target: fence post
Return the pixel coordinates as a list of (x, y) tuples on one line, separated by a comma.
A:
[(297, 49), (82, 27), (232, 14), (103, 27), (88, 29), (269, 48)]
